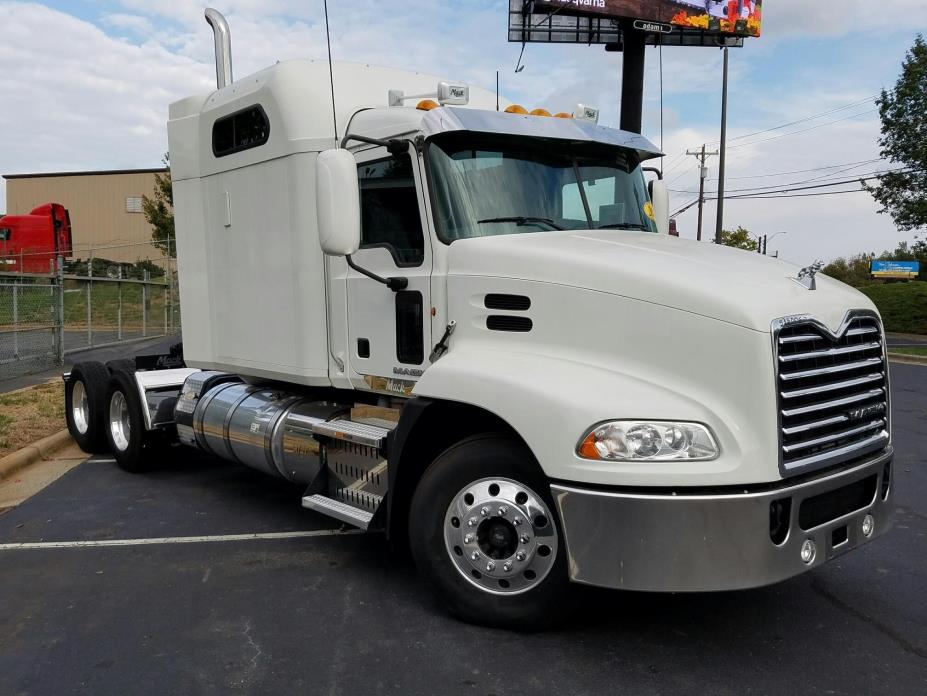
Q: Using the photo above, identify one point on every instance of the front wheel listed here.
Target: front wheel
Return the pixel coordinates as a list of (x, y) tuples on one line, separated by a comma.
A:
[(482, 527)]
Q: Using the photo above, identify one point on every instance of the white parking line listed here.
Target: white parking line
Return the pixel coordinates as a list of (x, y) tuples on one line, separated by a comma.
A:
[(178, 540)]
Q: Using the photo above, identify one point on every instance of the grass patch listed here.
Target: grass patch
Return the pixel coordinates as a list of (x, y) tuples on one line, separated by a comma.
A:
[(903, 306), (109, 303), (30, 414), (909, 350)]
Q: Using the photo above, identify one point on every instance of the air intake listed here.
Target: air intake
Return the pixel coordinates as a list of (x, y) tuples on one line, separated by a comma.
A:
[(504, 322), (511, 303)]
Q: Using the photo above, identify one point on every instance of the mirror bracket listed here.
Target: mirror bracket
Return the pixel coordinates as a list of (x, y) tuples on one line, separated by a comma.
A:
[(395, 284), (394, 146)]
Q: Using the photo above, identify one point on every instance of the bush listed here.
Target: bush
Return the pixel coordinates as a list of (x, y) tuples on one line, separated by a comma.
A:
[(903, 305)]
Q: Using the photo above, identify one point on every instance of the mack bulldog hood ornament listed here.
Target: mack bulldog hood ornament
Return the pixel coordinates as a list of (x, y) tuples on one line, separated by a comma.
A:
[(806, 275)]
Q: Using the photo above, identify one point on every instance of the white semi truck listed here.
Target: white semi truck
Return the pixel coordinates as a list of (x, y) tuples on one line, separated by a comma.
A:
[(469, 328)]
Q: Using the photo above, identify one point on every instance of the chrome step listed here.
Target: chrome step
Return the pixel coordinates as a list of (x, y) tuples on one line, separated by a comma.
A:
[(340, 511), (351, 431)]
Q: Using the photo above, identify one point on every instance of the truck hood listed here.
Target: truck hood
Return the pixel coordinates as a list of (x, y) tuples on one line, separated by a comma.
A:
[(730, 285)]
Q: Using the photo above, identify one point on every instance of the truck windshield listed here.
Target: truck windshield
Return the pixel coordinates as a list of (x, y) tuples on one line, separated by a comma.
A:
[(491, 186)]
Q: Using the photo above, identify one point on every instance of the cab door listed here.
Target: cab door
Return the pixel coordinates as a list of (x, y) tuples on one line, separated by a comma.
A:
[(389, 333)]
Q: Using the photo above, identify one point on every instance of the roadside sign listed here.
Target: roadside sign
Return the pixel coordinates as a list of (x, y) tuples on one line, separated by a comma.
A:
[(895, 270), (737, 17)]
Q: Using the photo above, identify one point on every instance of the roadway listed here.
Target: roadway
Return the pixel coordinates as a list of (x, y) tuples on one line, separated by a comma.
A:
[(340, 614)]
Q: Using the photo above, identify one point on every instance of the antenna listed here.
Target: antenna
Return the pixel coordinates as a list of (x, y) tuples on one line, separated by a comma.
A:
[(331, 74)]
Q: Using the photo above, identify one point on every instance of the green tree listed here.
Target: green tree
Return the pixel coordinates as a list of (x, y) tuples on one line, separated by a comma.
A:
[(903, 110), (159, 212), (739, 238), (852, 271)]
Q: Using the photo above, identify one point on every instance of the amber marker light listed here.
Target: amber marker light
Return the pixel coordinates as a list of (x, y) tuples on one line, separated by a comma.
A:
[(427, 105), (540, 112), (563, 114), (516, 109)]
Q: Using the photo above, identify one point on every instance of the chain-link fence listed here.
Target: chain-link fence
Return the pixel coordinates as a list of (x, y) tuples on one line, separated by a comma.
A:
[(91, 300), (30, 339)]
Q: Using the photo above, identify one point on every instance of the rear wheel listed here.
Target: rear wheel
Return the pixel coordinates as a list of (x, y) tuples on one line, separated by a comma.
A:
[(482, 527), (85, 402), (131, 444)]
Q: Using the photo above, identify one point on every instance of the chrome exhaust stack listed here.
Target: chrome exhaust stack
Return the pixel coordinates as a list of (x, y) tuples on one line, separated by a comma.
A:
[(223, 36)]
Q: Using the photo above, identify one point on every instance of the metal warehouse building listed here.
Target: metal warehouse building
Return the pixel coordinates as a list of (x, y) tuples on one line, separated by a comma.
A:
[(105, 207)]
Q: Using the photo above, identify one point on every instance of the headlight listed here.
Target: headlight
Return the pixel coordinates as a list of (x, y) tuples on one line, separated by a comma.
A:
[(655, 441)]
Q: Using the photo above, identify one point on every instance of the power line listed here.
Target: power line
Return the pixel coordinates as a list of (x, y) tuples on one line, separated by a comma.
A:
[(802, 171), (805, 130), (807, 118), (795, 195), (780, 188)]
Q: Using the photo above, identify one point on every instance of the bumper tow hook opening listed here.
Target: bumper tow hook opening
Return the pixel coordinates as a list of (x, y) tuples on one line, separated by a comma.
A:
[(780, 515)]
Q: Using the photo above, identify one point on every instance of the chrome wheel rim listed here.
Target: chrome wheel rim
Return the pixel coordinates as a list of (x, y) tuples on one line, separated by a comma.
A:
[(500, 536), (80, 408), (119, 425)]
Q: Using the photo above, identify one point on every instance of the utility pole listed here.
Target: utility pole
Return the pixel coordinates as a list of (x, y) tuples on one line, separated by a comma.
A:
[(701, 155), (720, 224)]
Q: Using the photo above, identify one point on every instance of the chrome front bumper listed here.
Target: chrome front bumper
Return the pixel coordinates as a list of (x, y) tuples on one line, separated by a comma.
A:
[(711, 542)]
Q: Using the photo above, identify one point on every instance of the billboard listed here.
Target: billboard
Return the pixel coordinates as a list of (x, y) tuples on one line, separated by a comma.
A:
[(732, 17), (895, 270)]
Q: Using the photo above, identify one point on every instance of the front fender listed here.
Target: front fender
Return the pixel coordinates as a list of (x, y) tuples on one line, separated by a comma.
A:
[(551, 403)]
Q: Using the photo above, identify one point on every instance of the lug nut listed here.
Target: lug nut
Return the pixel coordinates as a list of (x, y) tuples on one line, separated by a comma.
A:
[(484, 511), (507, 566), (472, 522), (503, 510), (475, 556), (490, 567), (517, 521), (524, 538), (520, 556), (468, 539)]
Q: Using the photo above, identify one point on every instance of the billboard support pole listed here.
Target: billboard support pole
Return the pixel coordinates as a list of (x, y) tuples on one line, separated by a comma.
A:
[(632, 78), (723, 157)]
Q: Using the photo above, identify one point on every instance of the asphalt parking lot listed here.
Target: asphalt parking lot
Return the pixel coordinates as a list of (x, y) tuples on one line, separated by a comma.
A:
[(318, 612)]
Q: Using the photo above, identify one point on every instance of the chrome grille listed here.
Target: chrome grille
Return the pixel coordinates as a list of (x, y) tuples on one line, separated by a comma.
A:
[(832, 392)]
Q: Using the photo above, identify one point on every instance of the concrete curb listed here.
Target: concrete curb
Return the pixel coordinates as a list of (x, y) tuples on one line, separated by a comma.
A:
[(907, 359), (37, 451)]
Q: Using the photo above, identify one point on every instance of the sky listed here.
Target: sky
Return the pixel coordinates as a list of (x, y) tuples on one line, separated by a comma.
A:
[(85, 84)]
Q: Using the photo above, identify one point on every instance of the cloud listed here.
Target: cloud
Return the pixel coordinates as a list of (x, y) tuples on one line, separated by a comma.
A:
[(801, 18), (99, 99)]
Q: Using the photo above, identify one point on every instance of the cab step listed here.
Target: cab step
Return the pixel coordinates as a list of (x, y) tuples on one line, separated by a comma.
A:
[(340, 511), (354, 432)]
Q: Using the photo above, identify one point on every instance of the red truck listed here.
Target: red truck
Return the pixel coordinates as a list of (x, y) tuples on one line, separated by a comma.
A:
[(30, 243)]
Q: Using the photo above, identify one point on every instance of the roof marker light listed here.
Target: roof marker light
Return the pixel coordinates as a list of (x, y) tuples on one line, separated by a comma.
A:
[(427, 105), (540, 112), (516, 109), (563, 114), (586, 113)]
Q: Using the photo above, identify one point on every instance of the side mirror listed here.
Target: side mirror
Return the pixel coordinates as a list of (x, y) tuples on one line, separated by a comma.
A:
[(659, 197), (337, 197)]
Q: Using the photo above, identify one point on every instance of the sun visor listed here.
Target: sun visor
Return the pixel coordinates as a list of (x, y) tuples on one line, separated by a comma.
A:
[(449, 119)]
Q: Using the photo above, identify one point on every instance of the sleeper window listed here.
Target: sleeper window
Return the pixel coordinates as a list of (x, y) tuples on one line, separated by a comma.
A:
[(389, 209)]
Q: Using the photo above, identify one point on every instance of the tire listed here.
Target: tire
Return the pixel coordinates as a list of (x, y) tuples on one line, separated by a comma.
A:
[(85, 413), (465, 545), (122, 364), (132, 446)]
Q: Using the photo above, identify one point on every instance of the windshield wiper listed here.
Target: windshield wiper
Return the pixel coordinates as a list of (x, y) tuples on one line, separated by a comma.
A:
[(522, 220), (624, 226)]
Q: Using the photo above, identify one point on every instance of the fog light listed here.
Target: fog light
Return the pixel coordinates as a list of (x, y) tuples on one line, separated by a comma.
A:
[(868, 526), (808, 551)]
